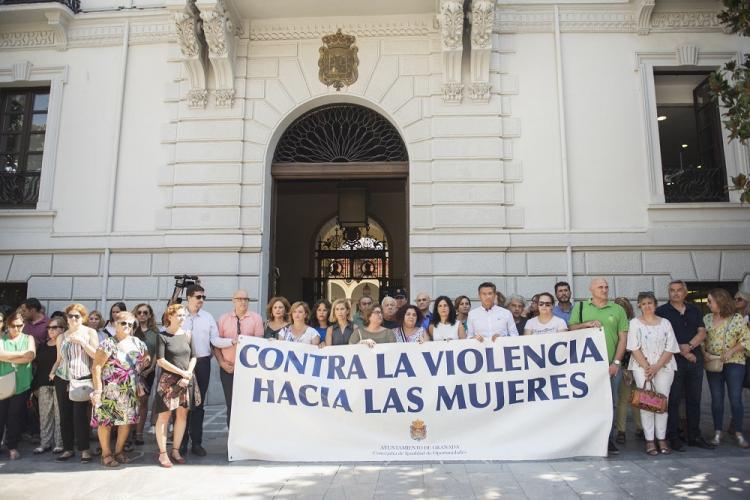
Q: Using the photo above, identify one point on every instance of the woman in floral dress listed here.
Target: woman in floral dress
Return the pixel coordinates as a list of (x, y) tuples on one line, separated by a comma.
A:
[(117, 365)]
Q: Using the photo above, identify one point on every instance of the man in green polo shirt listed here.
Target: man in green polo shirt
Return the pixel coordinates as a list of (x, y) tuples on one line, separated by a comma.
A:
[(598, 312)]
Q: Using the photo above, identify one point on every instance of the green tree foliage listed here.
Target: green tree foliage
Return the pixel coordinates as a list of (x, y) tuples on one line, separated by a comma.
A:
[(731, 85)]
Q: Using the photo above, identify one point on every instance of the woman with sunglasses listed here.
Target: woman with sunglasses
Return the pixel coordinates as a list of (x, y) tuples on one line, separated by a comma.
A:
[(117, 364), (109, 327), (76, 347), (49, 412), (148, 333), (17, 351), (544, 321)]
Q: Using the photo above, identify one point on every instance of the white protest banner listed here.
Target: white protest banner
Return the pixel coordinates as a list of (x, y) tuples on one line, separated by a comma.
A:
[(519, 398)]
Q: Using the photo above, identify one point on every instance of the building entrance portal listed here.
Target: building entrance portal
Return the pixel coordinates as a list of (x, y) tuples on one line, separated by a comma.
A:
[(340, 211)]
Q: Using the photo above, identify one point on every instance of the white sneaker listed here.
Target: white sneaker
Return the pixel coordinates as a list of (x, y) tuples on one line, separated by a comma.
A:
[(716, 441)]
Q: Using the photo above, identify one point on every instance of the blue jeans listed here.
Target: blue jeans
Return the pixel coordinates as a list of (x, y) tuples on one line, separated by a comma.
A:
[(732, 375)]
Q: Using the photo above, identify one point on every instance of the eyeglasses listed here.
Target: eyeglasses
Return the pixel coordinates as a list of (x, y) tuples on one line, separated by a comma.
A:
[(141, 313), (15, 325), (545, 304), (54, 328), (74, 316), (126, 323), (200, 297)]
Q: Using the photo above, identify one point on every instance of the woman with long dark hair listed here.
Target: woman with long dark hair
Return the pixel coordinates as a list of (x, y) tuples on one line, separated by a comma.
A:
[(444, 324)]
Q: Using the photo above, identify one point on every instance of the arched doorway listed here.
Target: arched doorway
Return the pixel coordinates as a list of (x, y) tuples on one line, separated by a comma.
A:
[(339, 184)]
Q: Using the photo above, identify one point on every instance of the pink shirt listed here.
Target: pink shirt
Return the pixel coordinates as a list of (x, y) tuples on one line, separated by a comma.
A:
[(251, 324)]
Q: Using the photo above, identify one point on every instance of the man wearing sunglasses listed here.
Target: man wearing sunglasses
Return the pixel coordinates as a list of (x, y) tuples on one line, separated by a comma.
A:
[(205, 333)]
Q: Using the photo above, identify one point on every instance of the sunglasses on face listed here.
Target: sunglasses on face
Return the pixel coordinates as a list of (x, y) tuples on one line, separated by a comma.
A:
[(126, 323), (141, 313), (54, 328), (74, 316), (739, 299), (200, 297)]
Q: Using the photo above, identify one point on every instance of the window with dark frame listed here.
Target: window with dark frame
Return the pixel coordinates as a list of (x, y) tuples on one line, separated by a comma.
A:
[(690, 138), (23, 125)]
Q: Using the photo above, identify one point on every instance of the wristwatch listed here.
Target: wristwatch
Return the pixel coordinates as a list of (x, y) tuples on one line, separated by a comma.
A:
[(617, 362)]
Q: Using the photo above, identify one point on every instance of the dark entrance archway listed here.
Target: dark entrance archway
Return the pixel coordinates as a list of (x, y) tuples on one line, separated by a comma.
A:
[(328, 150)]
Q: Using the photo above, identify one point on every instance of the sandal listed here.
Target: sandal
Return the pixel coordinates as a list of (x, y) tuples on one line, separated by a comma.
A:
[(176, 456), (664, 448), (651, 449), (122, 458), (108, 461), (166, 464), (14, 454), (66, 455)]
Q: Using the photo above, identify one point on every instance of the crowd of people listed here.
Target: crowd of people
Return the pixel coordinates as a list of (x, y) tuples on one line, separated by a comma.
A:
[(78, 372)]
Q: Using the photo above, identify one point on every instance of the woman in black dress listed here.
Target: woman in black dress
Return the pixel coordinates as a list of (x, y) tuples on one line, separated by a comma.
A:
[(177, 360)]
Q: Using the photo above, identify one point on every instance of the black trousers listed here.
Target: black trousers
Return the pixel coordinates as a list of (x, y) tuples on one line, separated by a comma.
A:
[(13, 418), (75, 418), (195, 416), (227, 383), (687, 384)]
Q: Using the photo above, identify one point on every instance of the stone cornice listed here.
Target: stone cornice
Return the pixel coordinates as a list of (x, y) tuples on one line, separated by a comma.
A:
[(540, 20), (91, 31), (296, 29)]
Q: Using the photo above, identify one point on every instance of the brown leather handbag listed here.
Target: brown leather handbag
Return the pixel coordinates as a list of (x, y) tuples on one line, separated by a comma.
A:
[(648, 400)]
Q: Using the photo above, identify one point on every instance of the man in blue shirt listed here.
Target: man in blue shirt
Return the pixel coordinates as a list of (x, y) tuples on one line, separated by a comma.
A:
[(689, 330), (423, 303), (564, 304)]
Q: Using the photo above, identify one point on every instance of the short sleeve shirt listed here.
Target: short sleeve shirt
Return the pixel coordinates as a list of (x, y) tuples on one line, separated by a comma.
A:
[(685, 325), (611, 316), (554, 325), (653, 341)]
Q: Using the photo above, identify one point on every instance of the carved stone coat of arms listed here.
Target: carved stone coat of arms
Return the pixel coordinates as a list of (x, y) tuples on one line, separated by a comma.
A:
[(338, 60)]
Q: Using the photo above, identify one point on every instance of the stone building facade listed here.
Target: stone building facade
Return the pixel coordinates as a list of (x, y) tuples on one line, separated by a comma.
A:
[(531, 132)]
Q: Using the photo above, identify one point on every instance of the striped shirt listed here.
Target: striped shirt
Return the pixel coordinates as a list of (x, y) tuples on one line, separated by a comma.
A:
[(75, 363)]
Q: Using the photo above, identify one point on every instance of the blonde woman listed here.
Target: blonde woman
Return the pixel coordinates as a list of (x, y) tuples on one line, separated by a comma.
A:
[(299, 330), (342, 327), (727, 335), (76, 349), (652, 344)]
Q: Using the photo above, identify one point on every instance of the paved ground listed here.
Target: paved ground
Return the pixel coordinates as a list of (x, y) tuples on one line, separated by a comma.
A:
[(695, 474)]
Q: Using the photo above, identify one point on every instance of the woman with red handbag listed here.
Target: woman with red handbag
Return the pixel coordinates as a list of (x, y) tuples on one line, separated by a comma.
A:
[(652, 344)]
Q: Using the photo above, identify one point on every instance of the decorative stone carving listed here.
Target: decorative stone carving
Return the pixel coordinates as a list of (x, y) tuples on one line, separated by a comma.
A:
[(59, 22), (219, 32), (224, 98), (409, 25), (480, 91), (451, 23), (687, 55), (452, 92), (645, 9), (26, 39), (338, 62), (685, 21), (197, 98), (482, 22), (188, 32)]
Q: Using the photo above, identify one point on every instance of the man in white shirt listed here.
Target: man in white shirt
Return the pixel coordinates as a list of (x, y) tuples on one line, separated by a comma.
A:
[(490, 320), (204, 333)]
